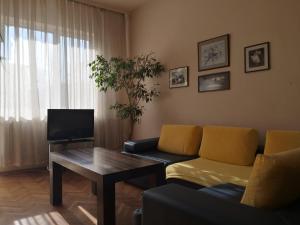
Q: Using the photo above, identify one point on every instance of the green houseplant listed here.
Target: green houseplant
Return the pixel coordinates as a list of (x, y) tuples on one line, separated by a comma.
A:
[(128, 75)]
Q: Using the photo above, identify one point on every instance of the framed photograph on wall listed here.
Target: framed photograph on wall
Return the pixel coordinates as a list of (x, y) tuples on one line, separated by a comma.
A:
[(179, 77), (257, 57), (214, 53), (214, 82)]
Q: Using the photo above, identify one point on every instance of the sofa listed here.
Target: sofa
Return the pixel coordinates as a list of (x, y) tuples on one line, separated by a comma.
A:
[(221, 175), (195, 167), (220, 205)]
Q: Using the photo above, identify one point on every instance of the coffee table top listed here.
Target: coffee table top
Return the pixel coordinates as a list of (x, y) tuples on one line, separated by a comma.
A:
[(101, 161)]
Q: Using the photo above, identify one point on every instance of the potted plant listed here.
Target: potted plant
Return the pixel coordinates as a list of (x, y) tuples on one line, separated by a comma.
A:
[(128, 75)]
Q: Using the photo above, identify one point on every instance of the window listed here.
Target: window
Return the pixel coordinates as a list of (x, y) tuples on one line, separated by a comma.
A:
[(43, 70)]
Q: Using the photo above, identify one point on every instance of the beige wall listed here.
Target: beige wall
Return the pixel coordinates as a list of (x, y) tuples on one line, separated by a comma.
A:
[(263, 100)]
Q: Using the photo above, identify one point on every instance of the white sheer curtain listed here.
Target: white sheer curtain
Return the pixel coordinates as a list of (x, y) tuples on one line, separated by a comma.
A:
[(47, 47)]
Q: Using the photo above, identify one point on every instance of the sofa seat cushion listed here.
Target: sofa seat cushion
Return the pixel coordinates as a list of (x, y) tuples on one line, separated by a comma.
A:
[(234, 145), (165, 157), (230, 192), (180, 139), (281, 140), (209, 173)]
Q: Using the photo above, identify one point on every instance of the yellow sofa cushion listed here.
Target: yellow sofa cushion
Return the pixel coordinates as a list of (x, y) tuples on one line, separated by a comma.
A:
[(233, 145), (279, 140), (274, 180), (180, 139), (209, 173)]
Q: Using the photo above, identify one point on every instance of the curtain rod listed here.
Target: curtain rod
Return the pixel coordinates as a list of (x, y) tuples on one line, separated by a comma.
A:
[(95, 5)]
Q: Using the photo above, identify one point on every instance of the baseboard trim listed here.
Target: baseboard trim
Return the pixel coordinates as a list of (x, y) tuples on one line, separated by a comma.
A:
[(22, 168)]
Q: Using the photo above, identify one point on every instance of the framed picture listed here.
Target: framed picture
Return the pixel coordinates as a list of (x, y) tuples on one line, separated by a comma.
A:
[(214, 82), (179, 77), (257, 57), (214, 53)]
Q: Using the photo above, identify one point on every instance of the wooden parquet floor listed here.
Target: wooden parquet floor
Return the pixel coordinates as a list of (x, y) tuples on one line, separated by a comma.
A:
[(24, 200)]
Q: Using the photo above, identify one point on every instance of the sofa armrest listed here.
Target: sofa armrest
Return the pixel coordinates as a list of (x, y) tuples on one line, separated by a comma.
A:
[(178, 205), (139, 146)]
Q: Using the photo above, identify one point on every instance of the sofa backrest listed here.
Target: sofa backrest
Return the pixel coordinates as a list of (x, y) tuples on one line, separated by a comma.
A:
[(233, 145), (281, 140), (180, 139)]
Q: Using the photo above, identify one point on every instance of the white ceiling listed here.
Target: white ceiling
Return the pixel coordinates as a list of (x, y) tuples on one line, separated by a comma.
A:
[(121, 5)]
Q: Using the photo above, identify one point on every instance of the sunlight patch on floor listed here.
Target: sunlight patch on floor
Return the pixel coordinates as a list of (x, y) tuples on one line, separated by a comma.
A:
[(88, 215), (52, 218)]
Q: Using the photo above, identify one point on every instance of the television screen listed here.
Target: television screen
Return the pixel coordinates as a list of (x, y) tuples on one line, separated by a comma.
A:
[(70, 124)]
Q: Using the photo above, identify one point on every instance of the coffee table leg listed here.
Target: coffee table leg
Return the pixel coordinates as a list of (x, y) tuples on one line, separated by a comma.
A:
[(94, 187), (160, 175), (106, 202), (56, 184)]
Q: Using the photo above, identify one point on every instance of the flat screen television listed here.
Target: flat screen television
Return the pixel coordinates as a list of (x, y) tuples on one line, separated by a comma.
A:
[(70, 124)]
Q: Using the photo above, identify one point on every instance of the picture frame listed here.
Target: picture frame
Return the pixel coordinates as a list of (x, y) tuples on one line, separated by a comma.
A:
[(179, 77), (257, 57), (214, 53), (214, 82)]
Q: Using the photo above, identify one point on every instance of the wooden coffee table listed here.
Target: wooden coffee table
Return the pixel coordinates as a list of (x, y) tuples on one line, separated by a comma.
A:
[(104, 167)]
